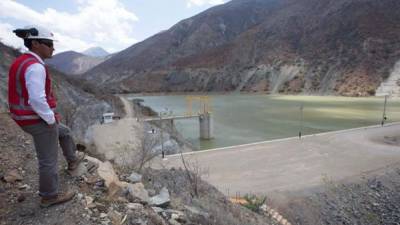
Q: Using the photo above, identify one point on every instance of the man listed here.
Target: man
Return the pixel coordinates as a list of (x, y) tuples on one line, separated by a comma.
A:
[(32, 104)]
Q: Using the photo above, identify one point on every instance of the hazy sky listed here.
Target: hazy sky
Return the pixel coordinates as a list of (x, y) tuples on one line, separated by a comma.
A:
[(111, 24)]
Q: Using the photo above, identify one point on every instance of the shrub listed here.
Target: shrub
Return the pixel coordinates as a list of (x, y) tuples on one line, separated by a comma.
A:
[(254, 202)]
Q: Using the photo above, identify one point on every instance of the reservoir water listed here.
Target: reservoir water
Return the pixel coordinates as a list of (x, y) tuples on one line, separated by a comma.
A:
[(245, 118)]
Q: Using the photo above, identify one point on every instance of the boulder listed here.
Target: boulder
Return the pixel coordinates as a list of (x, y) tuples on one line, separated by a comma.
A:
[(157, 209), (137, 191), (12, 176), (162, 199), (135, 206), (115, 216), (196, 211), (79, 171), (134, 178), (106, 171)]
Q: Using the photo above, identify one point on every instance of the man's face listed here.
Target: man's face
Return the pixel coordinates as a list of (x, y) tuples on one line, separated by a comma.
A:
[(44, 48)]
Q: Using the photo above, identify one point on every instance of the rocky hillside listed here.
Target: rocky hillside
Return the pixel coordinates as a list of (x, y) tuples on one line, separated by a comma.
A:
[(371, 199), (78, 108), (345, 47), (108, 195), (74, 63)]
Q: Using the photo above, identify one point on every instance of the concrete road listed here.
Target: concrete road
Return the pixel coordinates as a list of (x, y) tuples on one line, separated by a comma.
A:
[(292, 164)]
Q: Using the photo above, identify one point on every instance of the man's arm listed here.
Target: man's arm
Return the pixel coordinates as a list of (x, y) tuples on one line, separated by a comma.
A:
[(35, 79)]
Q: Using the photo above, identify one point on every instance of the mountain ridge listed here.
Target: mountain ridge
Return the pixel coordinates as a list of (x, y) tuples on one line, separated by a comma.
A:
[(344, 47)]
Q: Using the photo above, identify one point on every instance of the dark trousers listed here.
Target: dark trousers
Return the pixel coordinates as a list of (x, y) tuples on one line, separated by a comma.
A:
[(46, 139)]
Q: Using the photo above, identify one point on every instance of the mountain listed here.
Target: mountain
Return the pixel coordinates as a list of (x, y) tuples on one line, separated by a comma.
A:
[(73, 63), (346, 47), (96, 52)]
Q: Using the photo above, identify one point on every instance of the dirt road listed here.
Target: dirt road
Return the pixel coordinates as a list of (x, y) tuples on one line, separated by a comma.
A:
[(118, 140), (128, 106), (296, 165)]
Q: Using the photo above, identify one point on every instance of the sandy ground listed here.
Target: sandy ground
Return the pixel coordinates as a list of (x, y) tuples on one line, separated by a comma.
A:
[(293, 165), (119, 140)]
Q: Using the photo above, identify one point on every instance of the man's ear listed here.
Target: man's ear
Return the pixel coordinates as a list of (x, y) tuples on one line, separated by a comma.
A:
[(35, 43)]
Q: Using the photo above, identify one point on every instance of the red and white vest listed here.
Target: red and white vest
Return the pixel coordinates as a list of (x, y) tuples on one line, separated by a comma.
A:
[(18, 95)]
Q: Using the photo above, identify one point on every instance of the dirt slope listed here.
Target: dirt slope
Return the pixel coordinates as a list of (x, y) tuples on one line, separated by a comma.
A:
[(97, 204)]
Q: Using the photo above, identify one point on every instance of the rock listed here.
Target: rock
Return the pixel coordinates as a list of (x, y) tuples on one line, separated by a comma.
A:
[(196, 211), (80, 196), (91, 179), (157, 209), (115, 191), (105, 171), (23, 187), (138, 191), (21, 198), (106, 222), (161, 199), (173, 222), (103, 215), (115, 217), (79, 171), (263, 207), (89, 200), (134, 178), (137, 221), (135, 206), (111, 180), (12, 176), (122, 200), (92, 206), (101, 207), (177, 215), (26, 212), (151, 192)]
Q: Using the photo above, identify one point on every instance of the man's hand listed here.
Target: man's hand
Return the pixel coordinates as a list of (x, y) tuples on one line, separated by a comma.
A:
[(57, 116), (53, 125)]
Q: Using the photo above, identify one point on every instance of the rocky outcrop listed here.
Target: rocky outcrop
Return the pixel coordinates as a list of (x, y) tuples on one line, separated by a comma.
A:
[(345, 47), (373, 199), (391, 86)]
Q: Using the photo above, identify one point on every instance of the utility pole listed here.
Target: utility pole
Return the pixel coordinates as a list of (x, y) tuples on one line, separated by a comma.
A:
[(301, 120), (166, 112), (161, 135), (384, 112)]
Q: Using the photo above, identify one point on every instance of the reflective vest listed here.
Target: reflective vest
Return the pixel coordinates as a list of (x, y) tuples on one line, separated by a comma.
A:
[(18, 96)]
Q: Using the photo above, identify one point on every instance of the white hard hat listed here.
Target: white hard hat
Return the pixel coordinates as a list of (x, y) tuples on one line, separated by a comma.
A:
[(34, 32)]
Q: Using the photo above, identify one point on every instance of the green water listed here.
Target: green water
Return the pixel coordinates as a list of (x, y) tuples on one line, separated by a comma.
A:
[(243, 118)]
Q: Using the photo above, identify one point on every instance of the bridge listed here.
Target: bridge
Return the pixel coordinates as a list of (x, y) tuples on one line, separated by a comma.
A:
[(206, 124)]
